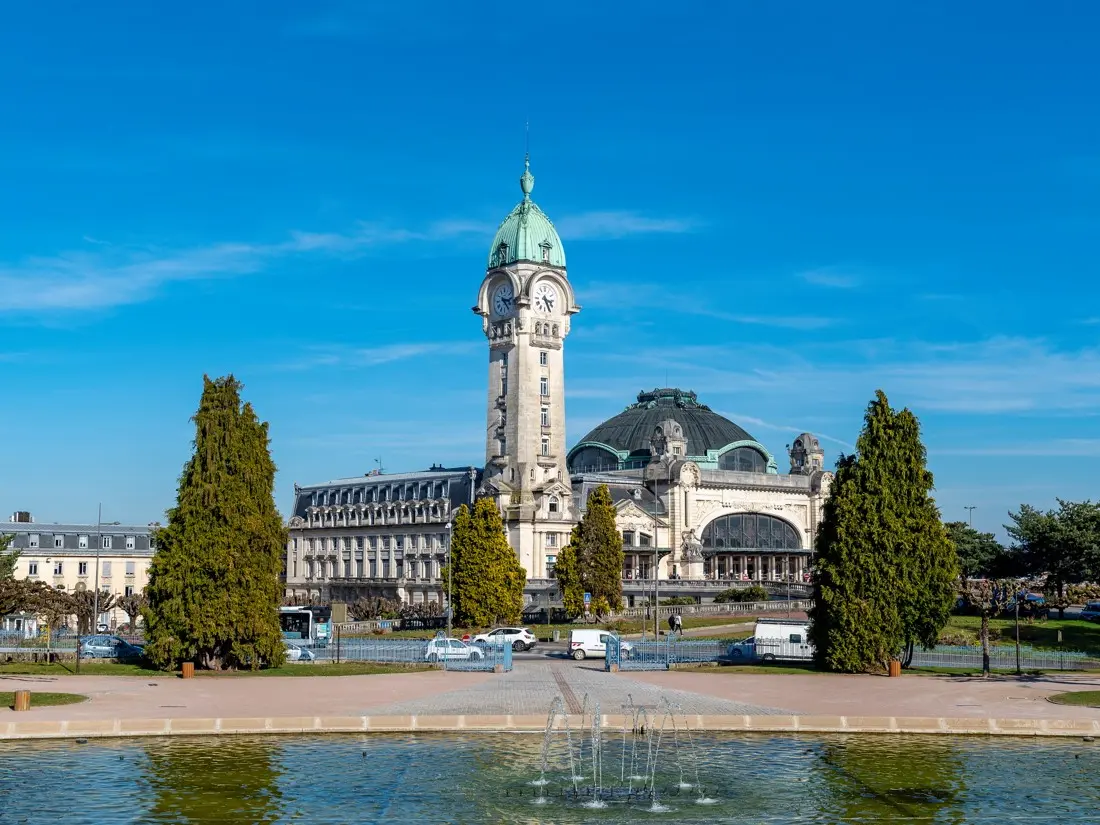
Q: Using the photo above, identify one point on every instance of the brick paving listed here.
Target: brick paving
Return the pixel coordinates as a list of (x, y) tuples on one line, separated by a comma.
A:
[(531, 688)]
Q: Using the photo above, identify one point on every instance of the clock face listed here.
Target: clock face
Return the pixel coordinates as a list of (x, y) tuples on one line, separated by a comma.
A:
[(545, 297), (503, 299)]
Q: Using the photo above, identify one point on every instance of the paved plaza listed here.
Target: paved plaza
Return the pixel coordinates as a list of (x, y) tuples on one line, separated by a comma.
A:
[(529, 690)]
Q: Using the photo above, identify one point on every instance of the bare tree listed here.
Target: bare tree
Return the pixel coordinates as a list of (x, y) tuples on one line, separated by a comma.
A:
[(987, 598), (132, 606), (83, 603)]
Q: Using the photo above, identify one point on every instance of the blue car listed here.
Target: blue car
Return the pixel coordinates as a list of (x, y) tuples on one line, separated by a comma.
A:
[(101, 646)]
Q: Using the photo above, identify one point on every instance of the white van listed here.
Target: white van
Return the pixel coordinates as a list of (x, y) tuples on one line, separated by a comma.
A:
[(593, 643), (775, 639)]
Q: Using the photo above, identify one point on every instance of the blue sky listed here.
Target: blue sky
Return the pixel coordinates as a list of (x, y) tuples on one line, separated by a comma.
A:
[(782, 206)]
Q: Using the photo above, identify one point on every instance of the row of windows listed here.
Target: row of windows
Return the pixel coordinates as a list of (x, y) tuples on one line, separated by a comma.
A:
[(633, 539), (81, 568), (420, 491), (358, 568), (437, 541), (105, 542)]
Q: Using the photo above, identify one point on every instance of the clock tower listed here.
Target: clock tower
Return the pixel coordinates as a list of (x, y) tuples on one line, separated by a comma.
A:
[(526, 304)]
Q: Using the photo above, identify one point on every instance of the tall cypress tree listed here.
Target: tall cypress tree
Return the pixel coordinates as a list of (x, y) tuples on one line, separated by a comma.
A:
[(567, 572), (885, 570), (214, 589), (597, 546), (487, 577)]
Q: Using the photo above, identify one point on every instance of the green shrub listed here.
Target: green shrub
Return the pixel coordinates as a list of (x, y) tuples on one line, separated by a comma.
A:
[(678, 600), (755, 593)]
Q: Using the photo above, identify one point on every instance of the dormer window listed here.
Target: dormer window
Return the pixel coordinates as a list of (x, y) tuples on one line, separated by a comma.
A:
[(553, 504), (545, 247), (502, 253)]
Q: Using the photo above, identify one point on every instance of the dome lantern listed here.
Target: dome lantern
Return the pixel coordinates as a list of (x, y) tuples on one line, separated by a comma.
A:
[(526, 234)]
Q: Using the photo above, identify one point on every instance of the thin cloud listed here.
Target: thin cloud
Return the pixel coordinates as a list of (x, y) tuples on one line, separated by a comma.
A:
[(785, 428), (830, 277), (116, 277), (611, 225), (359, 357)]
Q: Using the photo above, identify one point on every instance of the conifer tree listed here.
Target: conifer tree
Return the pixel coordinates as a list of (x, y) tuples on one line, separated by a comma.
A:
[(486, 577), (885, 572), (597, 546), (214, 589), (8, 558), (567, 572)]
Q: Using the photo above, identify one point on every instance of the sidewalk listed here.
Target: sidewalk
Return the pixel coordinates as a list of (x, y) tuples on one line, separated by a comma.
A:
[(714, 699)]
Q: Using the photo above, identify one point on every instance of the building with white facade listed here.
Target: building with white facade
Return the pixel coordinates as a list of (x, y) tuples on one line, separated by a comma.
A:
[(701, 504), (67, 556)]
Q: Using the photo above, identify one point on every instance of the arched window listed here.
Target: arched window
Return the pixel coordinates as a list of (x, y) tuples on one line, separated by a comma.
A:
[(750, 531), (745, 459), (552, 506), (593, 459)]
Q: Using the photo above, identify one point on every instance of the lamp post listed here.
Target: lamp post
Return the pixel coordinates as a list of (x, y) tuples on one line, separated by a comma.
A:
[(450, 593), (95, 580), (971, 508)]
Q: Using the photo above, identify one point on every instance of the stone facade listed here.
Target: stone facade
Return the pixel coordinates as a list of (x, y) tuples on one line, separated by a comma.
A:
[(65, 556), (384, 535)]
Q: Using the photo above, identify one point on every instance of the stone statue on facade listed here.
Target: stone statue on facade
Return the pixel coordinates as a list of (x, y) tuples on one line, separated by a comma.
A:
[(691, 549)]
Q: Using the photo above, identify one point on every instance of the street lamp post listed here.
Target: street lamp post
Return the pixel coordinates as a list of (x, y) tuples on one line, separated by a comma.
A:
[(95, 580), (971, 508), (450, 592)]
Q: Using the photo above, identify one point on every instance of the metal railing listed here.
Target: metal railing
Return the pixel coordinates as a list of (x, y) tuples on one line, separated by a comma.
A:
[(660, 655), (345, 648), (717, 609), (1003, 657)]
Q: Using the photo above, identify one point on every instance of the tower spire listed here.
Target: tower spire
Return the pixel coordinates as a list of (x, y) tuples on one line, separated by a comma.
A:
[(527, 180)]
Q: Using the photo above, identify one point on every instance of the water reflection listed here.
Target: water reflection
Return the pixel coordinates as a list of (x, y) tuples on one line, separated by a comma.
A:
[(487, 779), (209, 780), (892, 778)]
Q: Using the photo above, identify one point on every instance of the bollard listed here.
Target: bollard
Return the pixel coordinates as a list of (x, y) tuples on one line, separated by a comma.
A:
[(22, 700), (188, 670), (895, 668)]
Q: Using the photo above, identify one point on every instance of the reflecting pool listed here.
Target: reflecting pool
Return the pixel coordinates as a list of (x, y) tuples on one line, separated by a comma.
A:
[(512, 779)]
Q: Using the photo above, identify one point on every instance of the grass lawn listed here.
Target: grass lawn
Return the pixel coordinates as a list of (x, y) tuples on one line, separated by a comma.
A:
[(42, 700), (69, 669), (1084, 698), (1076, 634)]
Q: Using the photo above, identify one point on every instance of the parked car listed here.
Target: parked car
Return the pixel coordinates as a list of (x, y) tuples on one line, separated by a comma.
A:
[(1033, 605), (585, 643), (102, 646), (443, 649), (519, 638), (743, 650), (1091, 612), (294, 653)]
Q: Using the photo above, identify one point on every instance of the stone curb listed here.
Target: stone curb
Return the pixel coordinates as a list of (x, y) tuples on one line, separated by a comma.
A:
[(101, 728)]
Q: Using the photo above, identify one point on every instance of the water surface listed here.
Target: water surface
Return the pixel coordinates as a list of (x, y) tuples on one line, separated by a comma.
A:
[(487, 779)]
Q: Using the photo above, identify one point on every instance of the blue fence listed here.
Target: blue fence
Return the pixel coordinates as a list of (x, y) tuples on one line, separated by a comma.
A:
[(1003, 657), (451, 654), (660, 654)]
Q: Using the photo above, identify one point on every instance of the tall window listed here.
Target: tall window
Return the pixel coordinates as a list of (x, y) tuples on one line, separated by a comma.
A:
[(542, 359), (57, 568), (551, 563), (32, 568), (106, 570), (546, 446), (551, 539), (130, 568), (32, 540), (105, 543), (131, 542), (553, 505), (58, 541), (129, 590), (546, 416), (628, 538), (82, 568), (82, 542), (544, 387)]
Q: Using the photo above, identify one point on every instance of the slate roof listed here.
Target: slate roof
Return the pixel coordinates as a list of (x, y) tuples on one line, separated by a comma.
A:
[(631, 429)]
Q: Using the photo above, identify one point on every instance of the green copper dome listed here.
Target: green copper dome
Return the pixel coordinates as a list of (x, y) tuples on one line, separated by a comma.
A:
[(526, 234)]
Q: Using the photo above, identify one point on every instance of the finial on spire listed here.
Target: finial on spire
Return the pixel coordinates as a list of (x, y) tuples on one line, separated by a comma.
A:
[(527, 180)]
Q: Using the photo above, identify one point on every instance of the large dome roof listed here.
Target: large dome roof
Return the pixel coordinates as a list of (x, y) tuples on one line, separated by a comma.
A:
[(526, 234), (629, 432)]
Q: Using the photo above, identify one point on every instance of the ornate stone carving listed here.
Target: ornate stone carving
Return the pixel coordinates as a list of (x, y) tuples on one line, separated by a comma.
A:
[(691, 549)]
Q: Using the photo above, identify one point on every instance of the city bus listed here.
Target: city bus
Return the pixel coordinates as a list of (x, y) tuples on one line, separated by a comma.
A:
[(310, 625)]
